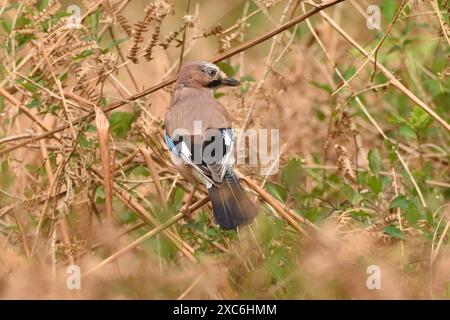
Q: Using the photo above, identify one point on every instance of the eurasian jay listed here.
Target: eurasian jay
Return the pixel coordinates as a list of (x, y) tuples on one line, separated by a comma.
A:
[(199, 134)]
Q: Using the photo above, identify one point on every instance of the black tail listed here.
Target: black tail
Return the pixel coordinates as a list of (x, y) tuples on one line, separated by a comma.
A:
[(231, 206)]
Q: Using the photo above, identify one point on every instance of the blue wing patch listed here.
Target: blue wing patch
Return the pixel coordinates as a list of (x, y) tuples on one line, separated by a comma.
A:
[(170, 144), (209, 174)]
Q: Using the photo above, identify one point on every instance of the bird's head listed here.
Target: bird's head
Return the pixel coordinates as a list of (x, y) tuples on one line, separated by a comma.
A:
[(202, 74)]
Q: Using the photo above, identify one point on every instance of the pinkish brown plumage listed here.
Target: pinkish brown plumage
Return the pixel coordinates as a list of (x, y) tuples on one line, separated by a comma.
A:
[(195, 123)]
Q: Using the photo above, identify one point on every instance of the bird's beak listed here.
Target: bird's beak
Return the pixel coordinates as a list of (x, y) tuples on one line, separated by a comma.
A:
[(231, 82)]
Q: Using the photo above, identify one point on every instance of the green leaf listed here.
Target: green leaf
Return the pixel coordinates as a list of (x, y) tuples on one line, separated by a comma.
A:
[(349, 72), (84, 142), (120, 122), (83, 54), (374, 184), (319, 114), (127, 216), (394, 232), (361, 214), (385, 182), (407, 132), (42, 4), (392, 156), (2, 104), (6, 179), (116, 43), (218, 94), (178, 195), (276, 190), (419, 119), (412, 213), (7, 25), (29, 86), (374, 161), (245, 84), (93, 20), (64, 76), (213, 232), (350, 194), (140, 171), (400, 202), (441, 101), (35, 102), (291, 174), (247, 79), (325, 87), (228, 69), (388, 9), (315, 214), (100, 195), (91, 128)]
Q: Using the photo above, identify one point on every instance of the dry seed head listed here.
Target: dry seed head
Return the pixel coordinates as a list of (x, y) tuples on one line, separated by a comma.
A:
[(189, 20), (154, 11), (269, 3), (30, 3), (107, 61), (48, 12), (162, 9), (344, 127), (343, 161), (137, 33), (152, 43), (61, 55), (55, 30), (26, 31), (81, 71), (390, 219), (89, 93), (344, 220), (413, 4), (124, 24), (225, 41), (214, 31)]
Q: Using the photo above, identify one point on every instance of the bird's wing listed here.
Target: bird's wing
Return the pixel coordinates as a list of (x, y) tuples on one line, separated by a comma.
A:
[(222, 157), (182, 152), (209, 159)]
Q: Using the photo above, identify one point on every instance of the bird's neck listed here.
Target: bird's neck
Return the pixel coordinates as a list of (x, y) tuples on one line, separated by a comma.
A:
[(185, 92)]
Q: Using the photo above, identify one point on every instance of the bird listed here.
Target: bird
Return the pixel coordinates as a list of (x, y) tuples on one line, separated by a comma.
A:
[(198, 131)]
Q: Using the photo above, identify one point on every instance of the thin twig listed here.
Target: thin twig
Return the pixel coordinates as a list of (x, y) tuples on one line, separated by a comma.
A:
[(242, 47), (395, 82), (148, 235)]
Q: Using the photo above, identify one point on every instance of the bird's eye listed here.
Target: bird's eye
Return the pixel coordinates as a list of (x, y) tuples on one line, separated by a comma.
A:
[(212, 73)]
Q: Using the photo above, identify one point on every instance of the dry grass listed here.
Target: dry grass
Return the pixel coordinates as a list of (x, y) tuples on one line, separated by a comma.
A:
[(86, 178)]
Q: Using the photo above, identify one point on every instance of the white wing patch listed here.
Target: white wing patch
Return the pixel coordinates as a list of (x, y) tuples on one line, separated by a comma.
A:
[(217, 170), (185, 150), (226, 137), (226, 163), (185, 154)]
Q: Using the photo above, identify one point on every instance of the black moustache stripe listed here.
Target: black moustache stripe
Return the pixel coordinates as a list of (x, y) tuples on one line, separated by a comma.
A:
[(214, 83)]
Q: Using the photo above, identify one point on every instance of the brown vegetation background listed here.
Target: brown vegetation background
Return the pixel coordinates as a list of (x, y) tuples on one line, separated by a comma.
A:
[(363, 179)]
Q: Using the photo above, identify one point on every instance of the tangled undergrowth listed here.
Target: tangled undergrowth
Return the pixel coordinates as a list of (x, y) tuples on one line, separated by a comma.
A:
[(363, 179)]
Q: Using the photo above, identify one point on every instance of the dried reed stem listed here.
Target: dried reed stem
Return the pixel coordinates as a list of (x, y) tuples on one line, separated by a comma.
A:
[(273, 203), (395, 82), (242, 47), (148, 235), (152, 168), (102, 124)]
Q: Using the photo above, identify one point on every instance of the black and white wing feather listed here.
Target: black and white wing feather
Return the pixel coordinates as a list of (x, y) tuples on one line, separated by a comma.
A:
[(210, 158)]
